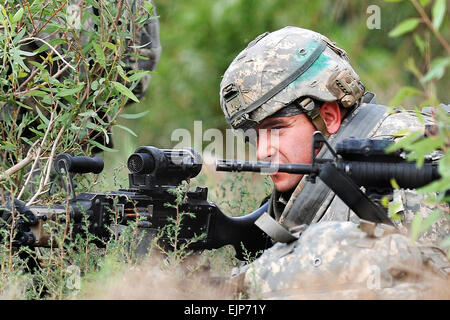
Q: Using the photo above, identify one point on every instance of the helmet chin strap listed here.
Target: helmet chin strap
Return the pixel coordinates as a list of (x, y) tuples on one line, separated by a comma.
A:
[(312, 111)]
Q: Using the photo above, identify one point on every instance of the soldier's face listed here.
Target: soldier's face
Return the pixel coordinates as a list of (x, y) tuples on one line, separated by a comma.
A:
[(285, 140)]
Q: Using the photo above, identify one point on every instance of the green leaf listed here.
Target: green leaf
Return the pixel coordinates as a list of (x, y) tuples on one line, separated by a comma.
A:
[(437, 68), (27, 141), (36, 132), (420, 225), (394, 184), (24, 105), (98, 128), (26, 53), (122, 73), (436, 186), (124, 90), (148, 6), (126, 129), (410, 65), (139, 75), (101, 59), (133, 116), (8, 146), (36, 93), (419, 42), (88, 113), (53, 42), (424, 3), (394, 209), (415, 226), (430, 220), (404, 93), (109, 45), (444, 165), (38, 65), (404, 142), (426, 145), (403, 27), (19, 36), (385, 201), (17, 60), (100, 146), (401, 133), (70, 92), (94, 85), (438, 13), (17, 16), (41, 115)]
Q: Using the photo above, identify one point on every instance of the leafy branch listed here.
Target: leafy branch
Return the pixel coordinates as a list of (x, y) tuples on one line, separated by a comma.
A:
[(436, 67)]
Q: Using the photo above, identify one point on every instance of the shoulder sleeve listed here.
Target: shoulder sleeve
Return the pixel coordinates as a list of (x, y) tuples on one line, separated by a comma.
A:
[(338, 260)]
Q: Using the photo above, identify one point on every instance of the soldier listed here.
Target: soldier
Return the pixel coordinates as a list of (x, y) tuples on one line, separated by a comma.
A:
[(293, 82), (84, 19), (143, 53), (79, 22)]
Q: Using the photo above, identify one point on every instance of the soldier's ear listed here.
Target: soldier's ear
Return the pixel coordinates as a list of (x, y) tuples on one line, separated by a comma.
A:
[(331, 115)]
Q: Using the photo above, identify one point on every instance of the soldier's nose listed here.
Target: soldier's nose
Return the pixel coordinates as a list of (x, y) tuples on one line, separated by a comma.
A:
[(265, 147)]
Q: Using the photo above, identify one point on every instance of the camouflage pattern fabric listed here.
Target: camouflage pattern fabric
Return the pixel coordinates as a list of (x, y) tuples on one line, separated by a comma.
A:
[(405, 202), (337, 260), (333, 258), (271, 58)]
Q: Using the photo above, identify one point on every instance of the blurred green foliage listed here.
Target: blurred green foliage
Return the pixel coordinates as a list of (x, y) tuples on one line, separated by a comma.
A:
[(200, 39)]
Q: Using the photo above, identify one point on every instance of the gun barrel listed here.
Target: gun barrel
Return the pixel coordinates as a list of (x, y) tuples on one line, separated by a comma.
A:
[(264, 167), (375, 174)]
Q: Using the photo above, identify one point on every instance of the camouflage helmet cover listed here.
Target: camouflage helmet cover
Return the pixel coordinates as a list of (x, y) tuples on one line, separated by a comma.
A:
[(278, 68)]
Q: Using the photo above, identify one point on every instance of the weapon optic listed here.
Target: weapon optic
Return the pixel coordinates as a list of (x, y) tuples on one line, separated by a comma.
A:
[(152, 173)]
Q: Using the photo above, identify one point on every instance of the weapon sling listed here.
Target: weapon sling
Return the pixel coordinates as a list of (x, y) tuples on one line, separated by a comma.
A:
[(360, 124)]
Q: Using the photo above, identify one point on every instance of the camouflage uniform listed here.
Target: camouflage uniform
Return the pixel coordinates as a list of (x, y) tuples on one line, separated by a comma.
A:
[(331, 259), (337, 260), (334, 259), (406, 202)]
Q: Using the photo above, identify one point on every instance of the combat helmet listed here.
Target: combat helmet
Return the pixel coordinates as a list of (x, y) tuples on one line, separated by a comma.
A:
[(290, 66)]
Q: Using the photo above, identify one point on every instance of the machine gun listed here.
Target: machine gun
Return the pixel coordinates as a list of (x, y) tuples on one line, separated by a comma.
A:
[(153, 173), (359, 173)]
